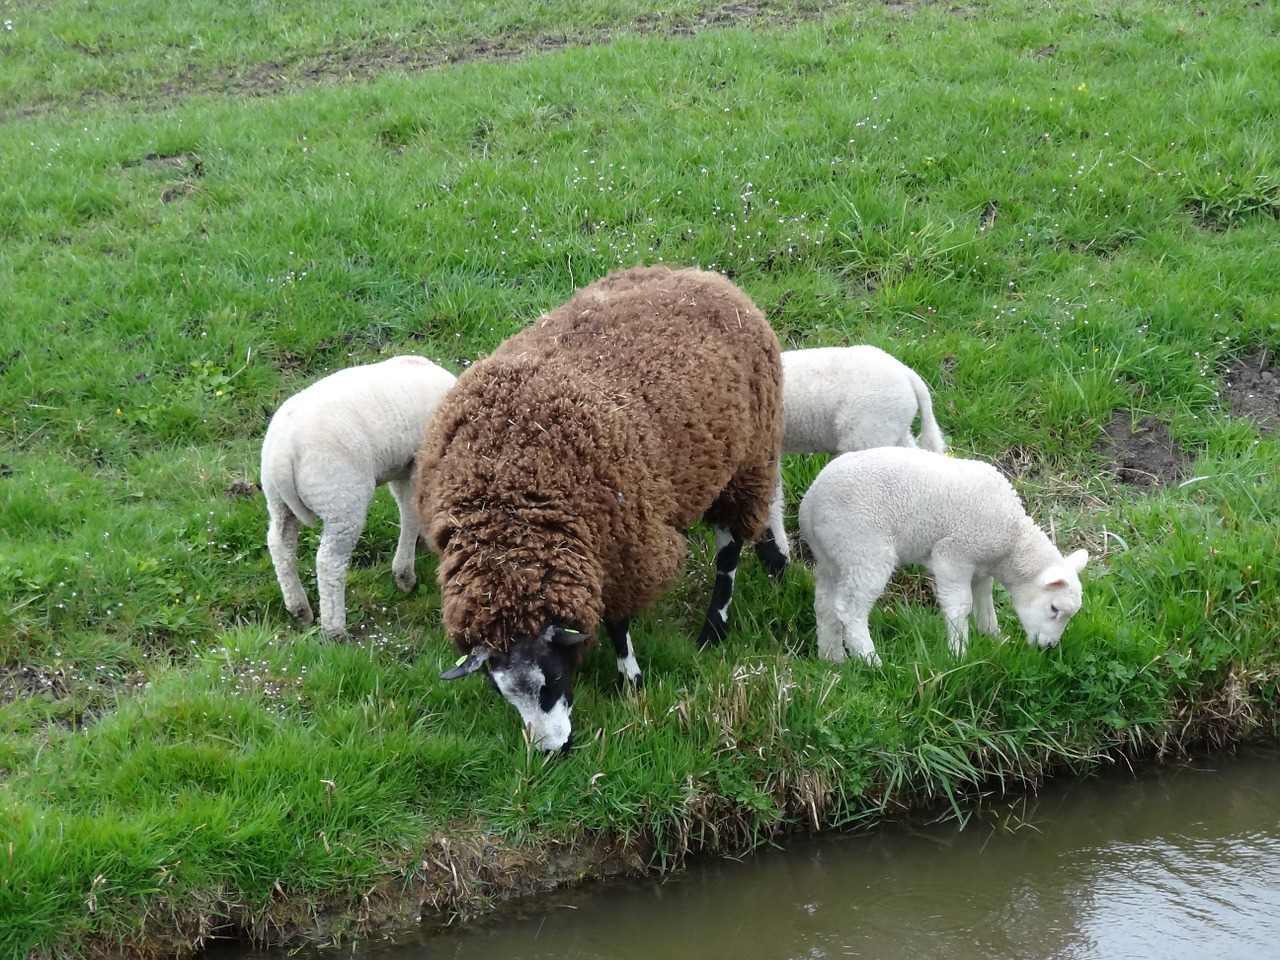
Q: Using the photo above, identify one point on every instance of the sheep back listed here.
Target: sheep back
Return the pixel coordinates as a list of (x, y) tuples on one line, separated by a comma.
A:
[(837, 399), (915, 498), (558, 477), (367, 418)]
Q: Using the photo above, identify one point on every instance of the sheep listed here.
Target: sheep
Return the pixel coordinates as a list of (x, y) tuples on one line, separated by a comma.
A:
[(558, 478), (869, 512), (326, 450), (840, 399)]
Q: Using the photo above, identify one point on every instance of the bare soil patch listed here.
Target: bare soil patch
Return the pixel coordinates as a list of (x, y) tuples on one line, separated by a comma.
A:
[(362, 64), (1142, 452), (421, 51), (1251, 388), (20, 683)]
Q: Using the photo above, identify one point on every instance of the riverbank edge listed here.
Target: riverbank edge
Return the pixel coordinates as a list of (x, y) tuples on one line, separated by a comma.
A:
[(468, 873)]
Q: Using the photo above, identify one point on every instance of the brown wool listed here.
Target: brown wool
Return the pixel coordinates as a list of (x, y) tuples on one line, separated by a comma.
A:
[(557, 478)]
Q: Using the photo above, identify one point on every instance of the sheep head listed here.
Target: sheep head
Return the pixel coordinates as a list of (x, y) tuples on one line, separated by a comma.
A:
[(1047, 602), (535, 675)]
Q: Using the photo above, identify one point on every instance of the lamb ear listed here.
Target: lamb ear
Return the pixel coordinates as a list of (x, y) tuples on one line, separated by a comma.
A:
[(467, 664), (1053, 578), (1077, 560)]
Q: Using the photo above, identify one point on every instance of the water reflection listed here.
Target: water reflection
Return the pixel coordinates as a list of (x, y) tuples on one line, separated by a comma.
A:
[(1174, 863)]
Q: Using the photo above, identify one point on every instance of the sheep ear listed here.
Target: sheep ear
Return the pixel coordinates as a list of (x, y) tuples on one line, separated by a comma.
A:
[(564, 637), (1053, 578), (467, 664)]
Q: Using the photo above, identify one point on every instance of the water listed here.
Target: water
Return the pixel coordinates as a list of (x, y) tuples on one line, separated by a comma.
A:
[(1171, 863)]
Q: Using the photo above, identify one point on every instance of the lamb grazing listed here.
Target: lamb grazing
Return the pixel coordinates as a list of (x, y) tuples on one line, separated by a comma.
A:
[(871, 511), (557, 480), (327, 449), (839, 399)]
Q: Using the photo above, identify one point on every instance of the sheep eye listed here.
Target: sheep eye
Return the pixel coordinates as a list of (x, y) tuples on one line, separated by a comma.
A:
[(1053, 609)]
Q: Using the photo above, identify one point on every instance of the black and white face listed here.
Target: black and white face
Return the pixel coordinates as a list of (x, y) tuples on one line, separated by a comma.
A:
[(536, 677)]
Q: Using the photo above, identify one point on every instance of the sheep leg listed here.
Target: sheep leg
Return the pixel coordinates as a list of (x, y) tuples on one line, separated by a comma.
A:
[(953, 585), (773, 548), (830, 627), (282, 542), (406, 547), (853, 596), (843, 600), (744, 508), (337, 542), (716, 625), (984, 607), (620, 633), (855, 617)]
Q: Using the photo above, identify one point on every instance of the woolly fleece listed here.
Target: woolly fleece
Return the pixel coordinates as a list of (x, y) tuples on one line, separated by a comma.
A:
[(872, 511), (326, 450), (557, 479), (839, 399)]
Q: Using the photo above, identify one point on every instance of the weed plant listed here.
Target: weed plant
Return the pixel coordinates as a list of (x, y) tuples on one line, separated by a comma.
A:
[(1055, 212)]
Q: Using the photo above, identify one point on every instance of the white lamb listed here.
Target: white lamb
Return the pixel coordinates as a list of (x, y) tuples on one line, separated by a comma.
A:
[(839, 399), (327, 449), (872, 511)]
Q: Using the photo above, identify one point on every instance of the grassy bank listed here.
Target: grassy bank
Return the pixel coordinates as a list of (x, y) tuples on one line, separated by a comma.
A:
[(1063, 215)]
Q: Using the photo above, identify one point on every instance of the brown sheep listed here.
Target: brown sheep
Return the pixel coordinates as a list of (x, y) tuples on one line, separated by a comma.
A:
[(558, 477)]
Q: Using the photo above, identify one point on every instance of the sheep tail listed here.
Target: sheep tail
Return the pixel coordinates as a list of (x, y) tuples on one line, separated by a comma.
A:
[(283, 491), (930, 435), (299, 509)]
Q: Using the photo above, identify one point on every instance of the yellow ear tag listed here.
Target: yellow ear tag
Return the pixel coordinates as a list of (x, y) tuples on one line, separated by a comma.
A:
[(460, 661)]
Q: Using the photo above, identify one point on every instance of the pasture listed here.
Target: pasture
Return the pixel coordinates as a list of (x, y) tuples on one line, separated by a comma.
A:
[(1064, 215)]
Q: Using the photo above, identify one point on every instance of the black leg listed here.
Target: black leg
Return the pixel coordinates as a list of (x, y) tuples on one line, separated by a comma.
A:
[(620, 634), (716, 626), (773, 559)]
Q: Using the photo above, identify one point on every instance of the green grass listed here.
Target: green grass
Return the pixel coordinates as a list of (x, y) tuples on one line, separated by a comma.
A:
[(156, 51), (1054, 213)]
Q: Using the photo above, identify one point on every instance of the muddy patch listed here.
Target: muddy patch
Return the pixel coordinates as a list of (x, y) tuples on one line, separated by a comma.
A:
[(1251, 388), (369, 63), (243, 490), (68, 697), (1142, 453), (21, 683), (421, 51)]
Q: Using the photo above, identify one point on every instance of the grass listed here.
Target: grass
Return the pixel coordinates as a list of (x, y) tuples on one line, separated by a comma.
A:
[(1054, 213)]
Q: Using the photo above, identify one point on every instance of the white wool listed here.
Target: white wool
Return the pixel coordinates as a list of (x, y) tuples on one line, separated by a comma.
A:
[(870, 512), (326, 450), (840, 399)]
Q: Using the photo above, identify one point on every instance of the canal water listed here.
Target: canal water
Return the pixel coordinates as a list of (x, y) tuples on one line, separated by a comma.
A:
[(1165, 863)]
